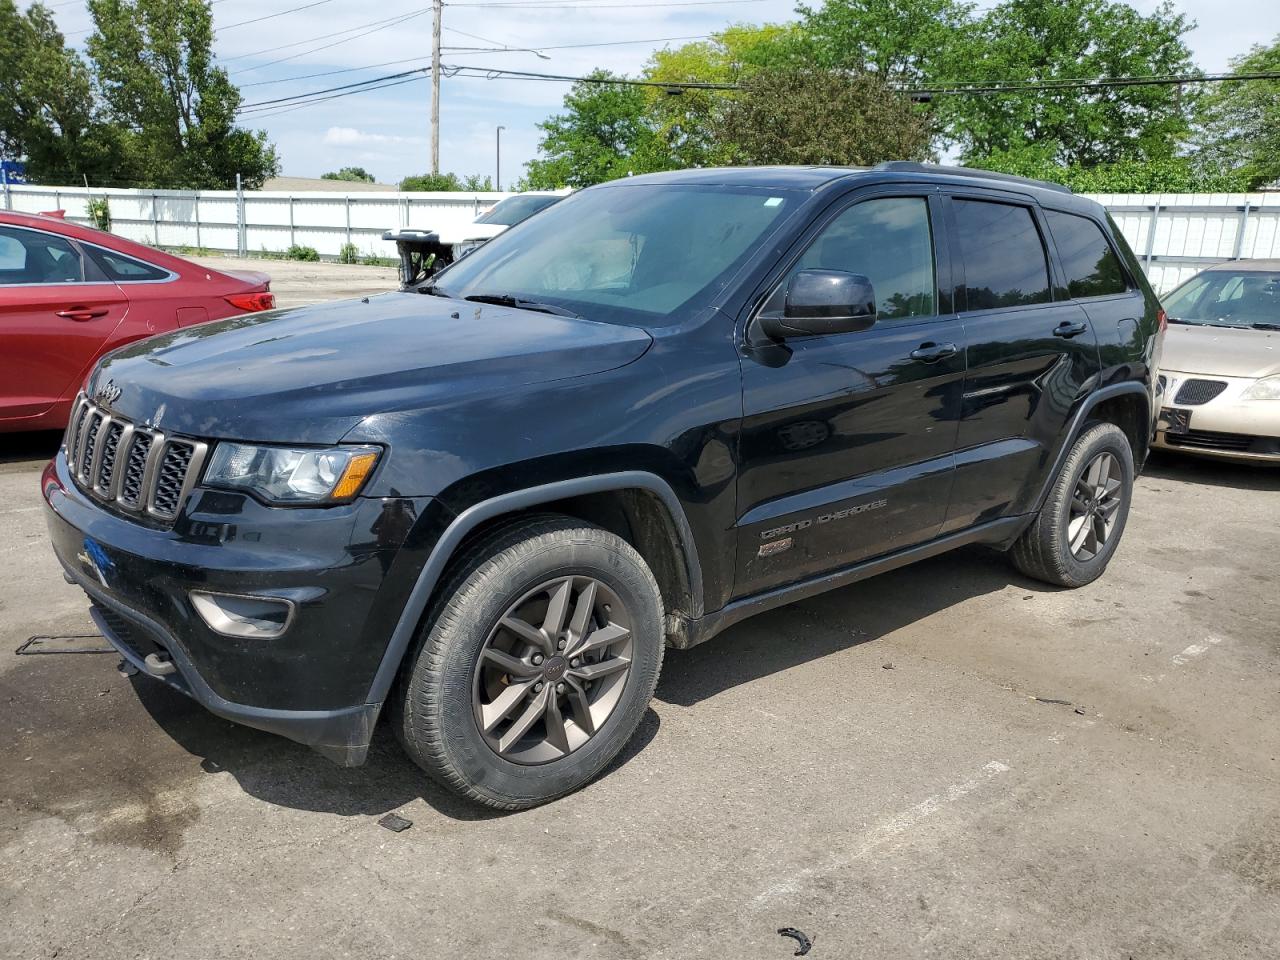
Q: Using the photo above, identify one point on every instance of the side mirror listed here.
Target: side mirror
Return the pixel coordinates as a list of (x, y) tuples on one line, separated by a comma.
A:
[(818, 302)]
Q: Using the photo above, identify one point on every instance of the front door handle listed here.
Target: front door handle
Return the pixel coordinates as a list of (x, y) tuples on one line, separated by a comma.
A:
[(81, 314), (1070, 328), (931, 352)]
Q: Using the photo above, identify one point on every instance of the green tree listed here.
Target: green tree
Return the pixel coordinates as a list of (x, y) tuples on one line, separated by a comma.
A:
[(156, 73), (684, 118), (822, 117), (1240, 128), (907, 41), (1045, 40), (472, 182), (351, 174), (46, 102), (606, 131)]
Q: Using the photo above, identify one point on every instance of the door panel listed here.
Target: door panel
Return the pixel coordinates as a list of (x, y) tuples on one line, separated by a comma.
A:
[(52, 323), (846, 446), (1029, 358)]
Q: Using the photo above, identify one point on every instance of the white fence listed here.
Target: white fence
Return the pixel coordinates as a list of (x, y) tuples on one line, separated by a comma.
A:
[(1175, 235), (258, 221)]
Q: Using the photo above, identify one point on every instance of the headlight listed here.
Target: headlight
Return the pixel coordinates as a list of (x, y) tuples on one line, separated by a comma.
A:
[(1268, 388), (292, 474)]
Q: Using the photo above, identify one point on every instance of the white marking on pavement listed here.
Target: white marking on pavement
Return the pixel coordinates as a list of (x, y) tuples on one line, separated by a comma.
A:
[(1196, 650), (886, 831)]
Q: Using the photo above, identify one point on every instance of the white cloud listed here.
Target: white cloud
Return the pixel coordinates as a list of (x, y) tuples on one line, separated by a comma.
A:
[(351, 137)]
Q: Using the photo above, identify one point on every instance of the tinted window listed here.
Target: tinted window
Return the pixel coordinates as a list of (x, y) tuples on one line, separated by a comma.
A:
[(30, 256), (889, 242), (1091, 266), (512, 210), (123, 269), (1004, 261), (632, 253)]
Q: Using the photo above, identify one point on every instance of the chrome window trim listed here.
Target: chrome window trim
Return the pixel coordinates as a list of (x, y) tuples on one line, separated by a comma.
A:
[(169, 277)]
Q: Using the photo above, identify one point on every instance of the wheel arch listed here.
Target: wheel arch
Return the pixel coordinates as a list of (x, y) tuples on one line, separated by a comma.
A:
[(639, 506), (1127, 405)]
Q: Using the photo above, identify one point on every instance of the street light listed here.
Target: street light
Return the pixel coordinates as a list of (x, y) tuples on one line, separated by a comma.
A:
[(497, 159)]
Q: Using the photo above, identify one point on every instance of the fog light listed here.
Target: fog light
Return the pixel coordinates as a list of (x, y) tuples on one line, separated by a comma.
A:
[(233, 615)]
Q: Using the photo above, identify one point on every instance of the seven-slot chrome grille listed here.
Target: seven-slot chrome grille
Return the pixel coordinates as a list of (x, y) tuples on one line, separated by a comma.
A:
[(133, 468)]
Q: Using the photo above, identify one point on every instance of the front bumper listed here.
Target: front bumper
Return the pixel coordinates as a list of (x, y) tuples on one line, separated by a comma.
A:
[(1226, 427), (348, 570)]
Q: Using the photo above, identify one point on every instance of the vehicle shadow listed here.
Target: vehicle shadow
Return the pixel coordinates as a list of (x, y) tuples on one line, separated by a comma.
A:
[(40, 445), (848, 617), (288, 774), (1214, 473)]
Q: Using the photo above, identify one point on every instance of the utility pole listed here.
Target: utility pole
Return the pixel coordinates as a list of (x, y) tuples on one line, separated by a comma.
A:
[(437, 8), (497, 159)]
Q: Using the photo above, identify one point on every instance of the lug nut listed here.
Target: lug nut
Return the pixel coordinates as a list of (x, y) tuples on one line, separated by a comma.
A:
[(537, 687), (575, 662), (560, 644), (537, 659), (559, 688)]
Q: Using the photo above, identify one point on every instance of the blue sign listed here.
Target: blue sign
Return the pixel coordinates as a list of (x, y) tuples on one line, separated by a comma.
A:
[(13, 171)]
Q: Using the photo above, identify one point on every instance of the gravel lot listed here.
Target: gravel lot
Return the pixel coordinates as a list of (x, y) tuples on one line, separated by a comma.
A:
[(871, 766)]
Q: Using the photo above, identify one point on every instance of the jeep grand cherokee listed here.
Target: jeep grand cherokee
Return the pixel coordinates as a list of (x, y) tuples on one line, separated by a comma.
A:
[(487, 502)]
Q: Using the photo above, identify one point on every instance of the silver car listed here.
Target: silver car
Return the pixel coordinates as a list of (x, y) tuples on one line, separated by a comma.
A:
[(1220, 371)]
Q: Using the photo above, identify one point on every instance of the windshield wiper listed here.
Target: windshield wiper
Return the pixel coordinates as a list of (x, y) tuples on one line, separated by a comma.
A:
[(1189, 323), (507, 300), (431, 290)]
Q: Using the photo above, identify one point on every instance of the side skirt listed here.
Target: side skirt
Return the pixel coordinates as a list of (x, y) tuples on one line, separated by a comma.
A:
[(690, 633)]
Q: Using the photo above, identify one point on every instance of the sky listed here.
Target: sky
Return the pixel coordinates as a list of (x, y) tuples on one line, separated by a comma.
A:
[(388, 131)]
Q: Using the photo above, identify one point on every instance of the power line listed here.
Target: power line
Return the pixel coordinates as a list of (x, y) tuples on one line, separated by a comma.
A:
[(553, 5), (345, 86), (330, 73), (274, 112), (382, 26), (272, 16), (324, 36)]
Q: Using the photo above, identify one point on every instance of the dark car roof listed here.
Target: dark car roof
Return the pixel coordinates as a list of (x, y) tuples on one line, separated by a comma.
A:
[(814, 178)]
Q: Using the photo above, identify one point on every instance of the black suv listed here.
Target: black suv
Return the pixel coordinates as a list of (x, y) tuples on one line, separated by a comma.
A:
[(489, 501)]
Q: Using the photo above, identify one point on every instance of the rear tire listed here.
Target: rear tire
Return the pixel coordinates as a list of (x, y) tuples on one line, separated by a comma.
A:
[(1075, 534), (536, 665)]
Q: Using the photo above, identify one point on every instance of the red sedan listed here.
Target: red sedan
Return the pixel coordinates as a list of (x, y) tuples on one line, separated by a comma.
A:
[(69, 294)]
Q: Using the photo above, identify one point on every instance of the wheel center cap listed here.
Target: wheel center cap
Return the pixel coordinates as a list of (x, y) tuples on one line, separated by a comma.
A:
[(554, 669)]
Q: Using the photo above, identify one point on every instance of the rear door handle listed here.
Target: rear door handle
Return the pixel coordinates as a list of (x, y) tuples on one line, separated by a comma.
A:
[(1070, 328), (933, 352), (81, 314)]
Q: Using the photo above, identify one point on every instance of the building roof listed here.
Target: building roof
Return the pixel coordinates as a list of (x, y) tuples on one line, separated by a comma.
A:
[(294, 184)]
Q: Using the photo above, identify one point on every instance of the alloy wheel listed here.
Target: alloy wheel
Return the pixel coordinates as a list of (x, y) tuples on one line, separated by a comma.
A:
[(552, 670), (1094, 504)]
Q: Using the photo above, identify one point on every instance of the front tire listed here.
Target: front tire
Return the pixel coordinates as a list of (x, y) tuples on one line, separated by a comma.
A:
[(536, 665), (1073, 537)]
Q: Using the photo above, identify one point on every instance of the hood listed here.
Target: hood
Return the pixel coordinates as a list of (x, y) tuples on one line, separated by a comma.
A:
[(1221, 351), (471, 231), (310, 374)]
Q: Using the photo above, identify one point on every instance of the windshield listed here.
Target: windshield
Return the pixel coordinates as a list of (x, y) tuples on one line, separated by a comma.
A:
[(512, 210), (629, 253), (1227, 298)]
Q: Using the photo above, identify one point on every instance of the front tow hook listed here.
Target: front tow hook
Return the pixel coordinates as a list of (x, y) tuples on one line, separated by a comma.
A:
[(159, 666)]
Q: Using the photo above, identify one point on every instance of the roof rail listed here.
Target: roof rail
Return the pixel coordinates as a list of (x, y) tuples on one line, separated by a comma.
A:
[(910, 166)]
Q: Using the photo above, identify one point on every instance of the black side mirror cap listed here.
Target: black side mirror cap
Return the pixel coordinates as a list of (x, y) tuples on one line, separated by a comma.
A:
[(819, 302)]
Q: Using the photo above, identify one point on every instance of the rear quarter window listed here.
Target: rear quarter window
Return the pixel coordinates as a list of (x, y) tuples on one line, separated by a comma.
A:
[(1090, 264), (124, 269)]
